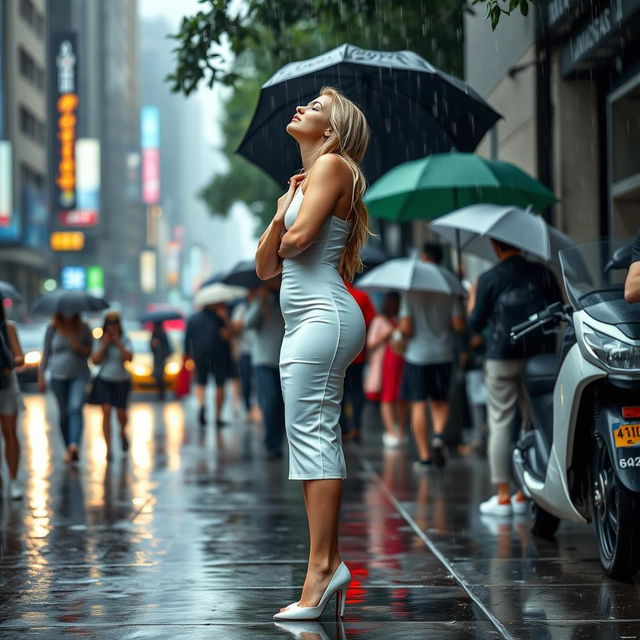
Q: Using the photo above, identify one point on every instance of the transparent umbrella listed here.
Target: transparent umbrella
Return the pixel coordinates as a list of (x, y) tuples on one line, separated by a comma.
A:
[(411, 274), (471, 229)]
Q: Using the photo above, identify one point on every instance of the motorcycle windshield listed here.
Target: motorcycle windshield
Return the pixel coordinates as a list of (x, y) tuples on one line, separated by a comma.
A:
[(594, 275)]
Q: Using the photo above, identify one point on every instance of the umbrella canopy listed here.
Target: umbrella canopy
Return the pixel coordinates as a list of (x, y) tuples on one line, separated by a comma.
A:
[(373, 255), (243, 275), (430, 187), (411, 274), (7, 290), (412, 108), (471, 228), (216, 277), (160, 315), (69, 302), (217, 292)]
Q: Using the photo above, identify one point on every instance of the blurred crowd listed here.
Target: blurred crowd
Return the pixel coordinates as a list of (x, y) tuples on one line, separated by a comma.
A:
[(434, 365)]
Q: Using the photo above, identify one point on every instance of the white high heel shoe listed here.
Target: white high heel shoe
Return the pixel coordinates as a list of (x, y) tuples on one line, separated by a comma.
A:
[(338, 585)]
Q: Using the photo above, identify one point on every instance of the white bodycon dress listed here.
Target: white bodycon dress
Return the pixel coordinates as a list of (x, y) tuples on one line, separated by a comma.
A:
[(324, 332)]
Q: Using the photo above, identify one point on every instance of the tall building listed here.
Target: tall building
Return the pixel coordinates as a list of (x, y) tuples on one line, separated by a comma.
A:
[(24, 258), (187, 242), (94, 145), (567, 81)]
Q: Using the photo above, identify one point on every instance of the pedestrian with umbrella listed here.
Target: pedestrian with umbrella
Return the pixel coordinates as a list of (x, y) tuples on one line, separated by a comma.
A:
[(11, 356), (207, 343), (430, 318), (506, 295), (67, 347)]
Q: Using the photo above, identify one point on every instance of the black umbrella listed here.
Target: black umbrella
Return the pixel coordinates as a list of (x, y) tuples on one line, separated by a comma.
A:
[(69, 302), (160, 315), (7, 290), (216, 277), (243, 275), (413, 109), (373, 255)]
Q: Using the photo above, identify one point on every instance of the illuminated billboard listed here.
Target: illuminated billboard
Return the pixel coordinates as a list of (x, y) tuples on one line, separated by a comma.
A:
[(65, 108), (150, 144), (6, 184)]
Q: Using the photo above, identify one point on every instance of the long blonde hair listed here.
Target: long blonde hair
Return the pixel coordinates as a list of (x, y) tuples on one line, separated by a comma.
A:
[(349, 139)]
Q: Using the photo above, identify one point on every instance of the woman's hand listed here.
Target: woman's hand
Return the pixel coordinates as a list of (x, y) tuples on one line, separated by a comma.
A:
[(285, 200), (42, 385)]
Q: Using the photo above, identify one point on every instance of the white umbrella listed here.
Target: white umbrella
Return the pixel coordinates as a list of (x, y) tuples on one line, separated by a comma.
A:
[(471, 228), (218, 292), (411, 274)]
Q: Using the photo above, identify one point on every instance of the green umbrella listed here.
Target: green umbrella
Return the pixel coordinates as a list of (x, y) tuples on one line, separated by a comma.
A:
[(442, 182)]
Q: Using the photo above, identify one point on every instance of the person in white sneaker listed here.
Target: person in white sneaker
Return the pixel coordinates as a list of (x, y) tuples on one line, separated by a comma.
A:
[(501, 298), (11, 356)]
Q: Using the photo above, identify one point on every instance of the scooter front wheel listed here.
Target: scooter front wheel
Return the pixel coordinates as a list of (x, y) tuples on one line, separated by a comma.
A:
[(616, 515)]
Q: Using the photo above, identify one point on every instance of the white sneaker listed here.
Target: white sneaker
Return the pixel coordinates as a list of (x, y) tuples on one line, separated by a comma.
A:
[(492, 507), (15, 492), (520, 507), (390, 441)]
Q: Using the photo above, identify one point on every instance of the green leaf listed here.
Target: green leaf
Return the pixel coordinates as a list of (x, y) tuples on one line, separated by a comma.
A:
[(524, 7), (513, 5), (495, 16)]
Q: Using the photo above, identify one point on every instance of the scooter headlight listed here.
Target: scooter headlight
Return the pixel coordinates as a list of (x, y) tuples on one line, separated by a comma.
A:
[(612, 352)]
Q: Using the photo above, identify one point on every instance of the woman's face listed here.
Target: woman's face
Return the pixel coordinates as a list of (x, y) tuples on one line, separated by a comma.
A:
[(311, 122)]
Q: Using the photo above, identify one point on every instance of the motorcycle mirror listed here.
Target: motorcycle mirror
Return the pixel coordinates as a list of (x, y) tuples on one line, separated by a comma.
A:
[(620, 259)]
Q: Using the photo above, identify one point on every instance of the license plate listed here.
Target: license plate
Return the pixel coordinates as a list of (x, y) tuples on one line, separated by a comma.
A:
[(626, 435)]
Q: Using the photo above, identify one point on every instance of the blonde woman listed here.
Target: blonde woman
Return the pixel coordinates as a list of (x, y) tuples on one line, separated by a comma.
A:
[(314, 240)]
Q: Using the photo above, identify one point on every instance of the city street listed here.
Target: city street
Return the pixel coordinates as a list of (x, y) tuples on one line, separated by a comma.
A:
[(178, 539)]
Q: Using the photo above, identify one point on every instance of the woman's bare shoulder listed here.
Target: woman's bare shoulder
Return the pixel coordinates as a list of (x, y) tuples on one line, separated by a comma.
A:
[(331, 167)]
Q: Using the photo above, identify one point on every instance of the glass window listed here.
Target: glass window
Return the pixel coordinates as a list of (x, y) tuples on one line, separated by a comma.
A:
[(625, 124)]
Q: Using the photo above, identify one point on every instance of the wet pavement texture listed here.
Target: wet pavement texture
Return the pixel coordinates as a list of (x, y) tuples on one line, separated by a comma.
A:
[(178, 538)]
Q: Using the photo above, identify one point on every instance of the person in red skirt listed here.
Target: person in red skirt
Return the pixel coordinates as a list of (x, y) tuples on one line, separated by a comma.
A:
[(384, 377)]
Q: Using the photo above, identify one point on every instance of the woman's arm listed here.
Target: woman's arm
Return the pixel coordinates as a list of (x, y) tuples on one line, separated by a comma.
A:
[(328, 181), (268, 262), (14, 344), (125, 351), (632, 283), (98, 356), (82, 344), (379, 332)]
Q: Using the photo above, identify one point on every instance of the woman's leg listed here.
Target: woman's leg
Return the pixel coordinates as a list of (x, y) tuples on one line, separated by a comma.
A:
[(401, 411), (388, 417), (322, 499), (11, 443), (77, 393), (123, 419), (106, 427), (246, 374), (60, 390)]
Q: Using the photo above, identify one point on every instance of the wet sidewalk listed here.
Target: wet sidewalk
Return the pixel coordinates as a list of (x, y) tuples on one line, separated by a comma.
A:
[(179, 539)]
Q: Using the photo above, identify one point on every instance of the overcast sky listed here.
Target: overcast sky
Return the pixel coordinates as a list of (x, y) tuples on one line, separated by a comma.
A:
[(233, 237)]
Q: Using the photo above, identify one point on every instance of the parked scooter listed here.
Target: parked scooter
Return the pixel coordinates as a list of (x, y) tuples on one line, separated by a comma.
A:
[(581, 460)]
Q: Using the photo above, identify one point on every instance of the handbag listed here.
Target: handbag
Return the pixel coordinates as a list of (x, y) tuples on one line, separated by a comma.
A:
[(92, 389)]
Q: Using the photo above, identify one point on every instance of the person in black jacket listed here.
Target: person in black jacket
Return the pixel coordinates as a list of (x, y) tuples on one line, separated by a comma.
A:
[(206, 342), (632, 283), (504, 296)]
